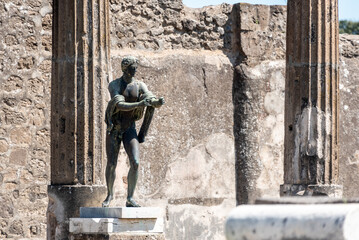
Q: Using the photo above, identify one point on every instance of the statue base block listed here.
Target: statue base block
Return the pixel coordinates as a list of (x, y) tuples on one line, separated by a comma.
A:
[(119, 236), (131, 221), (121, 212)]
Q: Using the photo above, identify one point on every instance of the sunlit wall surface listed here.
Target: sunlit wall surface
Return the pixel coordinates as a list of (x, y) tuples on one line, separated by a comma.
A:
[(348, 9)]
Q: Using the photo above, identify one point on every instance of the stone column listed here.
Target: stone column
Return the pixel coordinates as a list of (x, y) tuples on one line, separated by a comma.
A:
[(80, 76), (311, 103), (294, 221), (258, 99)]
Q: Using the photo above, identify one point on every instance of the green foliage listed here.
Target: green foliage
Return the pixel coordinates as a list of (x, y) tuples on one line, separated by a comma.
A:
[(349, 27)]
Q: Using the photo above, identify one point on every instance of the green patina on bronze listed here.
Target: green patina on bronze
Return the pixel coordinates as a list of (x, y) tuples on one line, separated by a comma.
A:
[(129, 99)]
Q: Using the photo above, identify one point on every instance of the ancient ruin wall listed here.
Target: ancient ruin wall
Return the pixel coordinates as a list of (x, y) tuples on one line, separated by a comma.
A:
[(25, 66), (187, 55), (164, 25)]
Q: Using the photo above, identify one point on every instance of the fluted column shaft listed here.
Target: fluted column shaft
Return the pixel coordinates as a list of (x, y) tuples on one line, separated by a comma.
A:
[(80, 76), (81, 64), (311, 104)]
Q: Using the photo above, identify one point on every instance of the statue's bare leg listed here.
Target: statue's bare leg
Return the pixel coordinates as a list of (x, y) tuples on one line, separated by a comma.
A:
[(131, 144), (113, 143)]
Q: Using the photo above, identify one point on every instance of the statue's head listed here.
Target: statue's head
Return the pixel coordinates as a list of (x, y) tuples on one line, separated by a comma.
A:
[(129, 65)]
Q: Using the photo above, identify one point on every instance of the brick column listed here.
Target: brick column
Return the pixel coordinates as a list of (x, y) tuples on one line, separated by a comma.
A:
[(311, 104), (80, 76)]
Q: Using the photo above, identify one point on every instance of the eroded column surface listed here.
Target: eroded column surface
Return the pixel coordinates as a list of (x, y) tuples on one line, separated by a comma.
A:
[(311, 104), (79, 81), (258, 99), (80, 76)]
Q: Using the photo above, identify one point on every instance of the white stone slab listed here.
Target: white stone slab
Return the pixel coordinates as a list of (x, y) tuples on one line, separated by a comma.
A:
[(115, 225), (121, 212), (294, 221)]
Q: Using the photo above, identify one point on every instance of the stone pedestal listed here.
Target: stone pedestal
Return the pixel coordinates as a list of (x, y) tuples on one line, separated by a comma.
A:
[(319, 221), (119, 236), (135, 222), (121, 212), (311, 104), (65, 202)]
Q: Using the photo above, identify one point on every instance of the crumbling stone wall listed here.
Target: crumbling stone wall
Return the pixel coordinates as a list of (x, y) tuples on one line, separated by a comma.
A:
[(25, 67), (164, 24)]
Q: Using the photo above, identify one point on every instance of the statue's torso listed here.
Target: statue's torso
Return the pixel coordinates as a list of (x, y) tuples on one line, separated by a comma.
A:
[(131, 92)]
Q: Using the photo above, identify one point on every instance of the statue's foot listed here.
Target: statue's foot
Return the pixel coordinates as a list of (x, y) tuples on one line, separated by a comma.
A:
[(131, 203), (107, 201)]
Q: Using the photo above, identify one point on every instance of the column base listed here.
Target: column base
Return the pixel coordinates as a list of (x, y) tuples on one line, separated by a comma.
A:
[(65, 202), (335, 191), (288, 221)]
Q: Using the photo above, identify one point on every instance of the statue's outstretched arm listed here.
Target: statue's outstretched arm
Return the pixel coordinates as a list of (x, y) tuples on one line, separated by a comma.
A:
[(157, 102), (154, 101), (127, 106)]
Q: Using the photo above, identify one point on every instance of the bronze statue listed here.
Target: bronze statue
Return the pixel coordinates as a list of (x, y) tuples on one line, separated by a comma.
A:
[(129, 98)]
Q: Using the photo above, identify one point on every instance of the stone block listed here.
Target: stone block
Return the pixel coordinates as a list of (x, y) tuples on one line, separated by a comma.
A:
[(18, 156), (115, 225), (118, 220), (65, 202), (26, 63), (13, 84), (47, 22), (119, 236), (121, 212), (305, 200), (4, 146), (20, 135), (335, 191), (288, 221)]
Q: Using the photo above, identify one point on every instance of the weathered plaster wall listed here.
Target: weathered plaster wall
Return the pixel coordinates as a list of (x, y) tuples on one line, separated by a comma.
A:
[(187, 163), (25, 66), (348, 115)]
